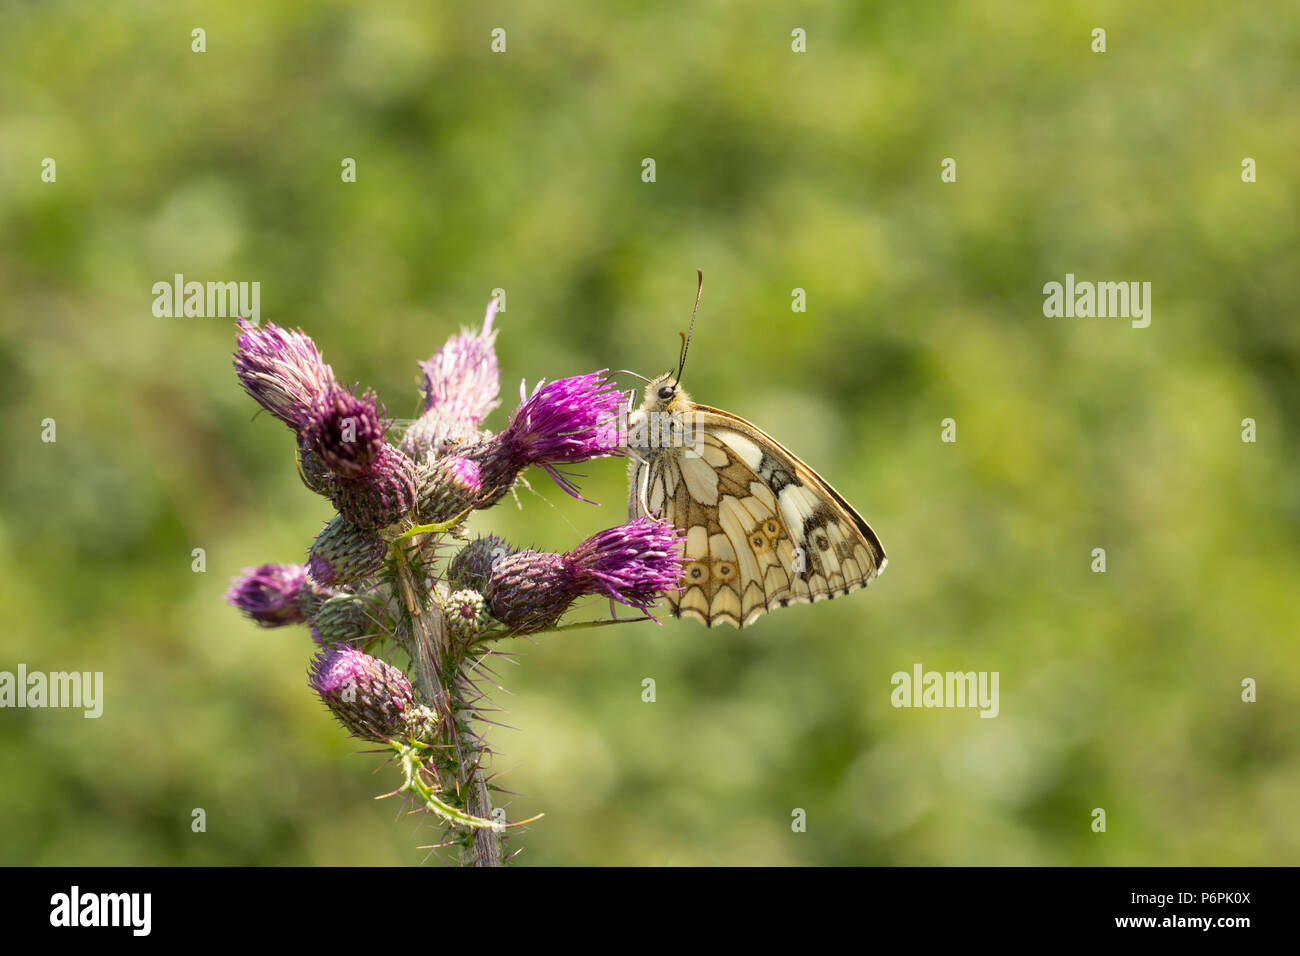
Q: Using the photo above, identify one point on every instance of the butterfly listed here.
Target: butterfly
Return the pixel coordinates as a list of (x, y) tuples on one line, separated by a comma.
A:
[(762, 529)]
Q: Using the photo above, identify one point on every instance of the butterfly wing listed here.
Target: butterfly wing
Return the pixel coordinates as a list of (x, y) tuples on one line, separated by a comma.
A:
[(763, 530)]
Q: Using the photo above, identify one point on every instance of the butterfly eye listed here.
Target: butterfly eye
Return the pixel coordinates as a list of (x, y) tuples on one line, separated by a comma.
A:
[(666, 392)]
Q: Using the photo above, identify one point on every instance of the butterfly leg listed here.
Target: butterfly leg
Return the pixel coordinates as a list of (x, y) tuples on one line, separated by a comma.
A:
[(644, 489), (643, 482)]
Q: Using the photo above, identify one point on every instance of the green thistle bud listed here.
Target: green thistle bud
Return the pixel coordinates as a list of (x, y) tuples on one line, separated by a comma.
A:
[(448, 487), (342, 554), (465, 613), (422, 723), (472, 565), (343, 618)]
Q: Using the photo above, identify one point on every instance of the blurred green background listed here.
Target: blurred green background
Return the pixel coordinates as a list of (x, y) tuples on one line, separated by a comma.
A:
[(775, 171)]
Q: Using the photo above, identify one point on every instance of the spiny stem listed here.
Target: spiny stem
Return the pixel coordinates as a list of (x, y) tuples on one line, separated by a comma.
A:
[(430, 647)]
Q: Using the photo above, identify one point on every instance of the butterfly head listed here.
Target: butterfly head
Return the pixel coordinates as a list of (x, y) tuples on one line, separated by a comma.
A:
[(665, 394)]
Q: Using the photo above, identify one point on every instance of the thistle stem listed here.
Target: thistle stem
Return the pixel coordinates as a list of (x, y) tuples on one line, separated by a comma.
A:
[(430, 646)]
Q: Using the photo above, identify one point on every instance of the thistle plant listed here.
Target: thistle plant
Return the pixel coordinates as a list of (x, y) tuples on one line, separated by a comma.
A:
[(405, 608)]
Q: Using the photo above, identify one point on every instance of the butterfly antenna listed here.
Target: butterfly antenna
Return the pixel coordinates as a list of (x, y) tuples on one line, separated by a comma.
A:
[(686, 337)]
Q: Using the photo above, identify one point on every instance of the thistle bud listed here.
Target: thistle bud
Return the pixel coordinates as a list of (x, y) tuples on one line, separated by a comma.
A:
[(422, 723), (271, 594), (383, 495), (344, 554), (281, 370), (464, 612), (473, 564), (370, 698), (343, 618), (448, 487)]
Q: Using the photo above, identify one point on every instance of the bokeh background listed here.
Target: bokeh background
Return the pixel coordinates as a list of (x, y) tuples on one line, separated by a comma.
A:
[(775, 170)]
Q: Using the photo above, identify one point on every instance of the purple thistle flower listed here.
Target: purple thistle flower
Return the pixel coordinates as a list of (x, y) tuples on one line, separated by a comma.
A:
[(566, 421), (346, 431), (271, 594), (633, 564), (466, 473), (461, 384), (370, 698), (461, 380), (281, 369)]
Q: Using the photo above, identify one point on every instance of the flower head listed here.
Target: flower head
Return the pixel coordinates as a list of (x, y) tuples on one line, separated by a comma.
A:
[(461, 380), (271, 594), (368, 696), (633, 564), (461, 383), (281, 369), (566, 421), (345, 430)]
